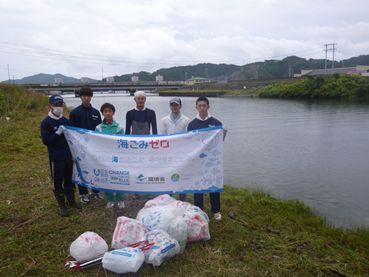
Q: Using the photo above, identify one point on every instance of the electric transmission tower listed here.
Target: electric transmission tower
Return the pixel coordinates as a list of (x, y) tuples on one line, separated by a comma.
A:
[(329, 47)]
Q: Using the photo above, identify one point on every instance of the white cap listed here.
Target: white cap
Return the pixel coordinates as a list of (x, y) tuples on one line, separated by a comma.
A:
[(140, 93)]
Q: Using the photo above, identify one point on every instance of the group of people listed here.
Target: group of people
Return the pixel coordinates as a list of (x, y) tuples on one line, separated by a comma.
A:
[(139, 121)]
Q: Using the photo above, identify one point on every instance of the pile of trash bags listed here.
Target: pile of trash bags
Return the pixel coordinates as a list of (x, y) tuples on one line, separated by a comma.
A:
[(160, 231)]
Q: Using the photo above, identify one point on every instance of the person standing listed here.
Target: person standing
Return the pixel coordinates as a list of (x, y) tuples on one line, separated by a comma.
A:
[(141, 120), (175, 122), (205, 120), (60, 157), (86, 117), (111, 127)]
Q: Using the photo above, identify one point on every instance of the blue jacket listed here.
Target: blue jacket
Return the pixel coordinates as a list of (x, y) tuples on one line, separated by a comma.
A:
[(134, 117), (201, 124), (57, 146), (86, 118)]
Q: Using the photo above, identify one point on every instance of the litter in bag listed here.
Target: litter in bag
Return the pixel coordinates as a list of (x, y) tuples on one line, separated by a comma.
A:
[(164, 247), (88, 246), (123, 260), (127, 231)]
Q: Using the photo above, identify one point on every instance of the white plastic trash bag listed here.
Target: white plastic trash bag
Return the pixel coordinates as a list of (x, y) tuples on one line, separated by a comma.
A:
[(160, 200), (123, 260), (88, 246), (164, 247), (198, 226), (159, 217), (127, 231), (178, 230)]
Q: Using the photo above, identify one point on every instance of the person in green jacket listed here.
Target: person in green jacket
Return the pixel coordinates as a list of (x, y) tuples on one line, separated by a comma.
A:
[(109, 126)]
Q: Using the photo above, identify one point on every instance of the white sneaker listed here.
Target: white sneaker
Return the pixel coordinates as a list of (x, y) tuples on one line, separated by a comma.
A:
[(84, 199), (109, 205), (121, 205), (99, 196), (217, 216)]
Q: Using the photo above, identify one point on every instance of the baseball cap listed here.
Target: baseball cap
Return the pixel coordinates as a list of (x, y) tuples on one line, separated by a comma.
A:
[(175, 100), (56, 99)]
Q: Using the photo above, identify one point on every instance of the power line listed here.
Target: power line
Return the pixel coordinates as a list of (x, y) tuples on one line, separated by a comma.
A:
[(326, 49)]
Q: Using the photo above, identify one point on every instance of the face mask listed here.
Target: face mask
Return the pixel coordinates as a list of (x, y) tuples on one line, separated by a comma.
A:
[(58, 111)]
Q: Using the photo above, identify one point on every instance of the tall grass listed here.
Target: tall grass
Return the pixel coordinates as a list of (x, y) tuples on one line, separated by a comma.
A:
[(17, 101)]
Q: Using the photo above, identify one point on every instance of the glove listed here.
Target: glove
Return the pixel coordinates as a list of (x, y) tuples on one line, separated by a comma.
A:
[(60, 130)]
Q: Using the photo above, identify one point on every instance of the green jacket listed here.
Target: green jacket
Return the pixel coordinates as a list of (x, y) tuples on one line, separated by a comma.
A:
[(110, 129)]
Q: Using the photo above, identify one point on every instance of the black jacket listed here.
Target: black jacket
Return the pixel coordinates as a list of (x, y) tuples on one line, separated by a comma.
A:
[(57, 146), (86, 118)]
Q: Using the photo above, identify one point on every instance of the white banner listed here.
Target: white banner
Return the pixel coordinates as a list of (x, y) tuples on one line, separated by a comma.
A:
[(190, 162)]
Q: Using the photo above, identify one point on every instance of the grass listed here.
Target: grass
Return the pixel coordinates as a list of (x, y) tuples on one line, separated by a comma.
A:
[(258, 235)]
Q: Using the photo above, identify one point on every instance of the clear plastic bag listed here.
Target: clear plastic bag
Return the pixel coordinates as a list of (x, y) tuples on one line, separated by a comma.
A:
[(178, 230), (198, 226), (88, 246), (159, 217), (164, 247), (127, 231)]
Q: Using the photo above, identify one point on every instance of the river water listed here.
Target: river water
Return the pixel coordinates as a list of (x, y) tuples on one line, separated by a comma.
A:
[(313, 151)]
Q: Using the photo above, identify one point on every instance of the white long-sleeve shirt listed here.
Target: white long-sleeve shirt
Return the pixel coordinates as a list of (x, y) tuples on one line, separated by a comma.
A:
[(171, 124)]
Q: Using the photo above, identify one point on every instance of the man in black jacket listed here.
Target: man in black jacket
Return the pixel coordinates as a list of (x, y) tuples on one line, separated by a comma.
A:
[(86, 117), (60, 158), (205, 120)]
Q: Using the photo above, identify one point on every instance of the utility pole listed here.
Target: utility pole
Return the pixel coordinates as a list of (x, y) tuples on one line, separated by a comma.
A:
[(326, 52), (333, 49), (102, 73), (9, 74), (325, 60)]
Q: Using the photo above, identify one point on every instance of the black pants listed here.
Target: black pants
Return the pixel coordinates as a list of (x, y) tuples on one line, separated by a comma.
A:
[(61, 174), (214, 201)]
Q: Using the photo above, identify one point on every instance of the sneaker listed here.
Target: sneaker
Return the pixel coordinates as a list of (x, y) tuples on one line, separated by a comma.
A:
[(121, 205), (217, 216), (84, 199), (109, 205), (99, 196)]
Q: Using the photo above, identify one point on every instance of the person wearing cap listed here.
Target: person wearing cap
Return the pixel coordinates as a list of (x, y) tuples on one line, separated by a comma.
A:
[(175, 122), (140, 120), (60, 158), (205, 120), (86, 117)]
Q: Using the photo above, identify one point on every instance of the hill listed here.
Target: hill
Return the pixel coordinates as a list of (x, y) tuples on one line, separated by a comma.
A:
[(269, 69), (43, 78)]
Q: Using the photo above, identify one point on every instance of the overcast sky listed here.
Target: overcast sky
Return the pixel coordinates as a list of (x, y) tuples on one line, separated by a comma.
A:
[(78, 38)]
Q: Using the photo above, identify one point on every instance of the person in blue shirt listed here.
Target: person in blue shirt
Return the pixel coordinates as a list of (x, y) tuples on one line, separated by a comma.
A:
[(140, 120), (205, 120), (61, 163), (86, 117)]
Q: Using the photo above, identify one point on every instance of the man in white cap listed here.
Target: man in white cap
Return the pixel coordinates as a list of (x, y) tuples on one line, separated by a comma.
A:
[(175, 122), (140, 120)]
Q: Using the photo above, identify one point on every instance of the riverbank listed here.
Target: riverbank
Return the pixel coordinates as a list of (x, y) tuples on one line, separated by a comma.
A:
[(321, 87), (258, 235)]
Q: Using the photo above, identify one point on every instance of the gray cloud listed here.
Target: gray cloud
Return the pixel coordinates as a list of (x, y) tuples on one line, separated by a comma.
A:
[(77, 37)]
